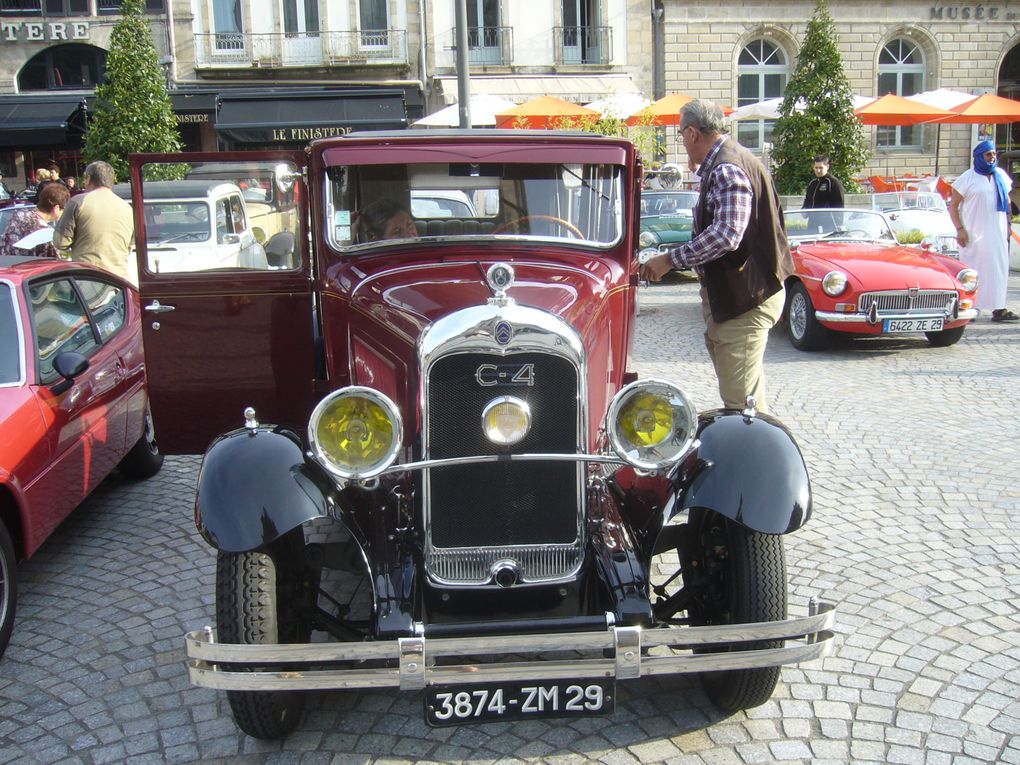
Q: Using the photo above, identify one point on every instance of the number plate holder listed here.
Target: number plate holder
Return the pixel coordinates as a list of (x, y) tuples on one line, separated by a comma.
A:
[(895, 326), (492, 702)]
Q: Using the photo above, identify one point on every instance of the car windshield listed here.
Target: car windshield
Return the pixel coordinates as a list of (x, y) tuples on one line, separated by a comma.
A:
[(167, 222), (668, 203), (10, 342), (908, 200), (369, 205), (838, 225)]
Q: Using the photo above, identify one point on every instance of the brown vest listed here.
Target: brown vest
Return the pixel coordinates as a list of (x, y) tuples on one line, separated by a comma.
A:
[(756, 270)]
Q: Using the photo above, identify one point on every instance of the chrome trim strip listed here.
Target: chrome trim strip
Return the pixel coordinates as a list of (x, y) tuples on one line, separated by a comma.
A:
[(860, 318), (22, 359), (426, 464), (206, 659)]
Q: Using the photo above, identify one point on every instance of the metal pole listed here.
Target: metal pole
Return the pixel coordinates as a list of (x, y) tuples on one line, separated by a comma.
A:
[(463, 74)]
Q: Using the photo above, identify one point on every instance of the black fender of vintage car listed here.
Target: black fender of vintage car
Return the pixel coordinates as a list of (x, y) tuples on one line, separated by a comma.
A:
[(749, 469), (254, 487)]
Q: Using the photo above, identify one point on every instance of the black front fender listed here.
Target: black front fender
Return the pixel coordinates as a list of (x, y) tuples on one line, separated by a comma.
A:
[(254, 486), (749, 469)]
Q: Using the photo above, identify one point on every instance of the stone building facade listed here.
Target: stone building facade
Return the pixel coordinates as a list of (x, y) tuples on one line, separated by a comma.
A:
[(736, 52)]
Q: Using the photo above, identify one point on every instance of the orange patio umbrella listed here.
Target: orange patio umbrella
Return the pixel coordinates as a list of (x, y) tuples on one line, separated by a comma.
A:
[(543, 112), (984, 109), (895, 110), (665, 111)]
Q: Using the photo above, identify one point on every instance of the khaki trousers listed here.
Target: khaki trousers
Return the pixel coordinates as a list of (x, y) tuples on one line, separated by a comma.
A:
[(737, 350)]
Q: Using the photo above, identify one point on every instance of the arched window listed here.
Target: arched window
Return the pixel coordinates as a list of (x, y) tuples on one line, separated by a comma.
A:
[(900, 71), (70, 67), (762, 73)]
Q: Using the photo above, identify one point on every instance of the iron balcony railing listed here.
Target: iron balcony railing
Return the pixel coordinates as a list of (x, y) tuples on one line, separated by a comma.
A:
[(290, 49), (583, 45), (489, 46)]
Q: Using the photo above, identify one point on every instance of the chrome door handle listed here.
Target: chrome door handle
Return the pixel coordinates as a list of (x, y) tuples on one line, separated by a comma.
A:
[(156, 307)]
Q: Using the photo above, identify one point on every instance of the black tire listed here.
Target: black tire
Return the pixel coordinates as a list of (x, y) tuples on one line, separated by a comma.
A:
[(742, 578), (8, 587), (946, 337), (806, 334), (259, 598), (145, 459)]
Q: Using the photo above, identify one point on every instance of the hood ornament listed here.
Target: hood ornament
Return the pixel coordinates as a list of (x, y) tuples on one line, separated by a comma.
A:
[(500, 278)]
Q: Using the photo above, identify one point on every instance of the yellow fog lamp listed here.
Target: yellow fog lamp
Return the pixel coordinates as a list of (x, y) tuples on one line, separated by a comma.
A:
[(355, 432), (651, 424), (506, 420)]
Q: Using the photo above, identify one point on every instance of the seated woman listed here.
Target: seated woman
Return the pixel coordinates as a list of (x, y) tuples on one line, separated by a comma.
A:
[(49, 205), (386, 219)]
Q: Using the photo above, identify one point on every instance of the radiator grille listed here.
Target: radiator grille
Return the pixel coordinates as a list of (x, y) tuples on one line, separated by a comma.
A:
[(901, 301), (514, 510)]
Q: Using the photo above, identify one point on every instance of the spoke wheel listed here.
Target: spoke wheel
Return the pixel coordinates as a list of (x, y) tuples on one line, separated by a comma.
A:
[(738, 576), (265, 598), (806, 334)]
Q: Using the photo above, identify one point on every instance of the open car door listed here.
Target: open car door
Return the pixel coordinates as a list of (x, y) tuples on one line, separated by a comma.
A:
[(226, 284)]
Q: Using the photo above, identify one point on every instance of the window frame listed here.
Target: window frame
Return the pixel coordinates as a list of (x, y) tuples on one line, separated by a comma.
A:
[(759, 70), (903, 136)]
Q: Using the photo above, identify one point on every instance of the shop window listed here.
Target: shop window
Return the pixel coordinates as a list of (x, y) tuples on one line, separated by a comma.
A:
[(762, 73), (901, 72), (71, 67)]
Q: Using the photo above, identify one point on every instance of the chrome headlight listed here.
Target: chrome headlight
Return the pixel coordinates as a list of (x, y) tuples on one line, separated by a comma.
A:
[(651, 424), (355, 432), (834, 283), (647, 239), (506, 420), (968, 277)]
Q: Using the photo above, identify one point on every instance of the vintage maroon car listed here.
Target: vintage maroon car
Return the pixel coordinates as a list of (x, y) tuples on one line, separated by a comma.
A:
[(73, 402), (438, 472), (852, 276)]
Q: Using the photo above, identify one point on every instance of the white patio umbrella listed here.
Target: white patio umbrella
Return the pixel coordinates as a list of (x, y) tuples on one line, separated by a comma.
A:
[(769, 109), (619, 105), (483, 112)]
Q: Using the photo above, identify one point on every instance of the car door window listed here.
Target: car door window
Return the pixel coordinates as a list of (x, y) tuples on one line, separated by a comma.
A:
[(61, 324), (106, 304), (10, 337)]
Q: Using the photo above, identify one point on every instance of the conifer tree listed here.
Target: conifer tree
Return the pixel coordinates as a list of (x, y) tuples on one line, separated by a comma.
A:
[(826, 124), (132, 111)]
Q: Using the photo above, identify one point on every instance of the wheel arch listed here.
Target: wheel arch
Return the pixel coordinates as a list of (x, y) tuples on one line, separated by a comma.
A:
[(254, 486), (10, 516), (750, 470)]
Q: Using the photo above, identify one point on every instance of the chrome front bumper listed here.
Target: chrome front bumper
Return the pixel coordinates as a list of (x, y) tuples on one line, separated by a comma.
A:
[(411, 663), (860, 318)]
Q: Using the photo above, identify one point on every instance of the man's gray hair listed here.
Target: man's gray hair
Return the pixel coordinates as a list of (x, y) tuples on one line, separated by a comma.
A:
[(703, 115), (100, 173)]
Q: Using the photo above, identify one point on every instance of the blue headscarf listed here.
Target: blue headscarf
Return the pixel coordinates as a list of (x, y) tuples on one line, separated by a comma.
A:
[(983, 166)]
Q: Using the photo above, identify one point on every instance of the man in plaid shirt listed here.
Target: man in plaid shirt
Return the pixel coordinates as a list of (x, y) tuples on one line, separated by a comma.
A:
[(739, 251)]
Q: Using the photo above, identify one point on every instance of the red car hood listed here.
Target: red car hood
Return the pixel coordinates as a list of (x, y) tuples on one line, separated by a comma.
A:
[(877, 266), (409, 297)]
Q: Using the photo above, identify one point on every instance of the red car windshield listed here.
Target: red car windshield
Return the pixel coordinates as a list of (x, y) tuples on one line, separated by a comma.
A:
[(572, 203)]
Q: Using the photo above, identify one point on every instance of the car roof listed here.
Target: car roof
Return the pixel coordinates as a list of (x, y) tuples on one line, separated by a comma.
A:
[(179, 189), (18, 268)]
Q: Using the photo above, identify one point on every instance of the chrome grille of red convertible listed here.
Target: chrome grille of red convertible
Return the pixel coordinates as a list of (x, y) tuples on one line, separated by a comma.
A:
[(907, 301)]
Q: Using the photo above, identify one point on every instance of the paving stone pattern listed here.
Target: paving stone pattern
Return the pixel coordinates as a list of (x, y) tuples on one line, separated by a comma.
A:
[(914, 455)]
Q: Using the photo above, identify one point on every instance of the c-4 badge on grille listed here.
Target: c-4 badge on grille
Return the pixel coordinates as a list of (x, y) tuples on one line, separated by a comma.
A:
[(491, 375), (503, 332)]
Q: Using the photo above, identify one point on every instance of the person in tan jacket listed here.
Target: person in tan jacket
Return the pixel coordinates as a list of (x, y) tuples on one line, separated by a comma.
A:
[(97, 226)]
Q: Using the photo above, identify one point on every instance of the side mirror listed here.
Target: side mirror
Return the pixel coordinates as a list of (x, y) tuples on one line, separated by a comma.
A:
[(68, 365), (285, 176), (230, 239)]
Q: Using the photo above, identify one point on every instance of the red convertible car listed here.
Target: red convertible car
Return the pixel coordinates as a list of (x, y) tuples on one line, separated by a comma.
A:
[(73, 401), (852, 276)]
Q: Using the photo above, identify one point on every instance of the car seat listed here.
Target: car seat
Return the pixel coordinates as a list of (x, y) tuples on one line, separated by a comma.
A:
[(280, 250)]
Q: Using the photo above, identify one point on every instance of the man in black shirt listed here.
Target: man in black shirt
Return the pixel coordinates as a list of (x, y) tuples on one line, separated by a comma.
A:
[(824, 190)]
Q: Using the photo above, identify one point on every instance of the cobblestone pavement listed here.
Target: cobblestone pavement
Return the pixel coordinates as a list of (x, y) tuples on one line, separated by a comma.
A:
[(914, 454)]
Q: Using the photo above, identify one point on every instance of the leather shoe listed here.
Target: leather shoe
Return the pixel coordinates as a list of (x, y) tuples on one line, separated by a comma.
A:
[(1004, 314)]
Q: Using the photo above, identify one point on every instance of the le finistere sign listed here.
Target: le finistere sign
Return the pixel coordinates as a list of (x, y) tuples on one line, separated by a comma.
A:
[(43, 31)]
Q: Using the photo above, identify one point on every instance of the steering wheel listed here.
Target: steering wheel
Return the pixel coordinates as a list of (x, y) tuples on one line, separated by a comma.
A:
[(549, 218), (859, 233)]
